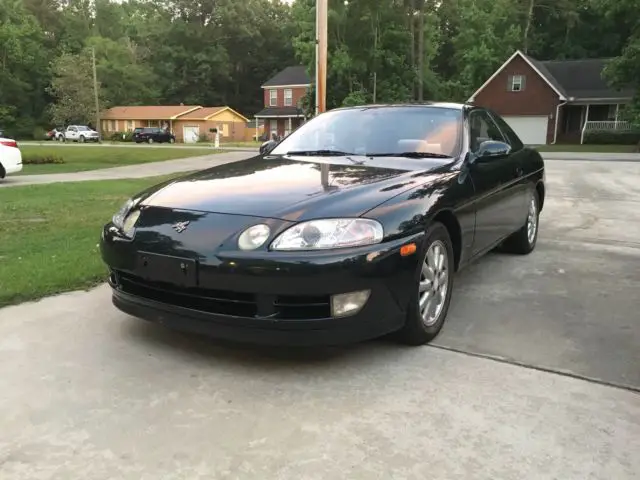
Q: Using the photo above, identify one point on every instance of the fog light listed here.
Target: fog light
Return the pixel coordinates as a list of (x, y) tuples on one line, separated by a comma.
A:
[(348, 303)]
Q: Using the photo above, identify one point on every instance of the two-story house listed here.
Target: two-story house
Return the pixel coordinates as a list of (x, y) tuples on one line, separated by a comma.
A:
[(283, 94)]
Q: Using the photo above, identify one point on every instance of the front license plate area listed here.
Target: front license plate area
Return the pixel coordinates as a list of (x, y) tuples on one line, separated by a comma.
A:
[(167, 269)]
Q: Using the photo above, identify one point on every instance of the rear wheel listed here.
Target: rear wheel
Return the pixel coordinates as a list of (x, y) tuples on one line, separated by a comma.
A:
[(150, 140), (82, 139), (433, 287), (524, 240), (3, 173), (172, 140)]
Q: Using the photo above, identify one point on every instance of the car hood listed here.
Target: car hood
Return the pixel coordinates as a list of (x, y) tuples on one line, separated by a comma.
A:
[(292, 189)]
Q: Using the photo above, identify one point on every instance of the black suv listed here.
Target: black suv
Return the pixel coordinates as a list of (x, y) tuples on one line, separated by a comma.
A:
[(153, 134)]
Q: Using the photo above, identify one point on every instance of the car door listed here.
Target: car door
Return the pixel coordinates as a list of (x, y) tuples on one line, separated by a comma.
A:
[(72, 133), (499, 196)]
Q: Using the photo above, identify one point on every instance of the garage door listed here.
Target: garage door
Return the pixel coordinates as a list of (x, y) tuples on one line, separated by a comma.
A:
[(531, 130), (190, 134)]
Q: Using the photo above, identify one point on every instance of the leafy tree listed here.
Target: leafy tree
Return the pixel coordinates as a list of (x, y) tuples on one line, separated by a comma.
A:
[(624, 71), (72, 88), (23, 69)]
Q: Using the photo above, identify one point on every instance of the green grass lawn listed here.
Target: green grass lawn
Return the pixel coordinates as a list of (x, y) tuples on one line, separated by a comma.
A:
[(81, 158), (49, 235), (589, 148), (241, 144)]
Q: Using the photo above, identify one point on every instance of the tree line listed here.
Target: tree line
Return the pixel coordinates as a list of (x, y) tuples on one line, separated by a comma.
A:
[(219, 52)]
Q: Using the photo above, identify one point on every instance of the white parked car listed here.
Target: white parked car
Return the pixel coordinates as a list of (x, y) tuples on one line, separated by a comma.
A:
[(79, 133), (10, 157)]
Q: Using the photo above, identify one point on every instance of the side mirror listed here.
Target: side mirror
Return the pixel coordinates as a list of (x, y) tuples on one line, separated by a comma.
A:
[(267, 146), (491, 149)]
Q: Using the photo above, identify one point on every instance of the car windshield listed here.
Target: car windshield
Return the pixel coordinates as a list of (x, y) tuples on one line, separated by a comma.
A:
[(83, 129), (419, 130)]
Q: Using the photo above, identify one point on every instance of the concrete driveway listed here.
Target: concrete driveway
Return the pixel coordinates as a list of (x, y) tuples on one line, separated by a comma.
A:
[(535, 376)]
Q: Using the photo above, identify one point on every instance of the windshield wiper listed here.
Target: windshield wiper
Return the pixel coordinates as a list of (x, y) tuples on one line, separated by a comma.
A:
[(410, 155), (320, 153)]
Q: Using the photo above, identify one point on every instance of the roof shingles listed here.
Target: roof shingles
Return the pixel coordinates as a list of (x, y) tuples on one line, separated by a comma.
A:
[(162, 112), (580, 79), (296, 75)]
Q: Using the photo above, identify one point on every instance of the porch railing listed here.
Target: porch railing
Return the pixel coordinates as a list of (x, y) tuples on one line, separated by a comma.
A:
[(615, 126)]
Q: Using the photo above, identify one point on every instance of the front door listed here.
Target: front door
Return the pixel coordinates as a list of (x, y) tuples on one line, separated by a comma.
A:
[(500, 195)]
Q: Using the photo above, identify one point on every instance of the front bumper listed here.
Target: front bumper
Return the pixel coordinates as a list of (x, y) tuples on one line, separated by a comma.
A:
[(272, 298)]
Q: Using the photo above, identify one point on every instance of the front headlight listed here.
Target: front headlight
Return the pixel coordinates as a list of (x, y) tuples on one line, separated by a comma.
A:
[(120, 217), (330, 233)]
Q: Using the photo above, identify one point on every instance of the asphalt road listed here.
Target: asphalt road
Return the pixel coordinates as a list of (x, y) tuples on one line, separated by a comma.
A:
[(535, 376)]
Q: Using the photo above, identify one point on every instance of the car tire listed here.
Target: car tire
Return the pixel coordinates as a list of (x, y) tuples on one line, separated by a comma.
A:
[(524, 240), (81, 139), (172, 140), (422, 325), (150, 140), (3, 172)]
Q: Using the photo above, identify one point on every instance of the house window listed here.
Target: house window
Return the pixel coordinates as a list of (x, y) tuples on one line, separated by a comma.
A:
[(273, 98), (129, 125), (113, 127), (516, 83), (288, 97)]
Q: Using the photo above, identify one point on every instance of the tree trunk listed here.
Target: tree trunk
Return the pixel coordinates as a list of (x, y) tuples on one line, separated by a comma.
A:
[(527, 27), (421, 53)]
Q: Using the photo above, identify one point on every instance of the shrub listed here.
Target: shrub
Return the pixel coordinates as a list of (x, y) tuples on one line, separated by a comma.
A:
[(121, 137), (36, 159), (39, 133), (609, 137)]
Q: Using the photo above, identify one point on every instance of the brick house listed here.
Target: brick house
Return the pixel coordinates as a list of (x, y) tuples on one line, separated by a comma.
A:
[(197, 124), (283, 94), (189, 123), (548, 102)]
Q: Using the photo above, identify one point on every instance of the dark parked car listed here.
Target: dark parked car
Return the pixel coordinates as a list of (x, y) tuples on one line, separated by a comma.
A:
[(152, 135), (350, 228)]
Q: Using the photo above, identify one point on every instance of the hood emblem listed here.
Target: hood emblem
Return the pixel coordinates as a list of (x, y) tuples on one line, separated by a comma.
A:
[(180, 226)]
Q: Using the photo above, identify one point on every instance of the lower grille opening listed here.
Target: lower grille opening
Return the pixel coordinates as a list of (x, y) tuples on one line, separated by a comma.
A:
[(212, 301), (226, 302), (292, 306)]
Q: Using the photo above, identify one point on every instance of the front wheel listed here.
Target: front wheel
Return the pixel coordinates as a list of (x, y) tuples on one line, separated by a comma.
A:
[(82, 139), (150, 140), (172, 140), (433, 285)]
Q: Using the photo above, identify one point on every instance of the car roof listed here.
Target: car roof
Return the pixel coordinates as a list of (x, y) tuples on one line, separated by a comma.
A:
[(447, 105)]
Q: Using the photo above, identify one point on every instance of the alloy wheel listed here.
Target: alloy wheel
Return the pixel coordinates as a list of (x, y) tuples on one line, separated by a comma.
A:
[(532, 221), (434, 283)]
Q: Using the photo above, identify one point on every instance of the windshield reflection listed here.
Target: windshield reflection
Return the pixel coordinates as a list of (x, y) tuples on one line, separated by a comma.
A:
[(379, 131)]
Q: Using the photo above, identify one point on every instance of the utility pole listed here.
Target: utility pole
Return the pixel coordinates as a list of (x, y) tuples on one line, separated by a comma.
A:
[(321, 55), (321, 73), (95, 93)]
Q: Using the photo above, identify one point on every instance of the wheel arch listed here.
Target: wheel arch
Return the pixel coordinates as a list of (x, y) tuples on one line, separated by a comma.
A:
[(3, 172), (451, 223), (540, 190)]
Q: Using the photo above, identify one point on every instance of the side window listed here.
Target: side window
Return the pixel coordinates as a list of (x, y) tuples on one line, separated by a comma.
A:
[(481, 129), (512, 137)]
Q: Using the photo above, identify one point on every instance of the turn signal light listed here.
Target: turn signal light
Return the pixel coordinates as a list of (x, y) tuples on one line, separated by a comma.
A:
[(408, 249)]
